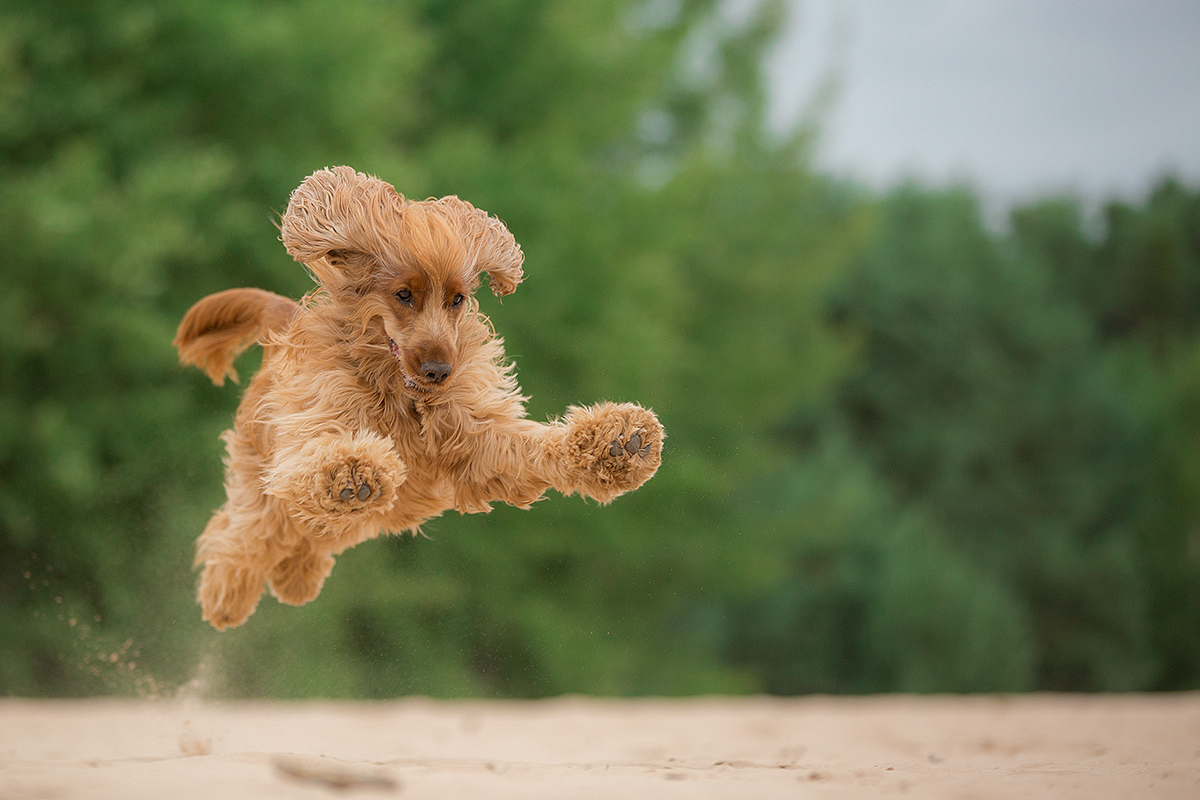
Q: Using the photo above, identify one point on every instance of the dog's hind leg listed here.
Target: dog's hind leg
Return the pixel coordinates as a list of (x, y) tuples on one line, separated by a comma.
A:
[(234, 570), (243, 542), (299, 576)]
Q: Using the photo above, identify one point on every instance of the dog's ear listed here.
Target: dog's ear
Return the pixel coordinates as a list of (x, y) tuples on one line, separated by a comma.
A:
[(337, 210), (491, 245)]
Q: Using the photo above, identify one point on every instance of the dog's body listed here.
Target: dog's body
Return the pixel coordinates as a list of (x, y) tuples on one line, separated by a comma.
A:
[(384, 398)]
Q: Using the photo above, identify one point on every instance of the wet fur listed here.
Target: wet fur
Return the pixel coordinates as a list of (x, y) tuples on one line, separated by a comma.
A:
[(346, 431)]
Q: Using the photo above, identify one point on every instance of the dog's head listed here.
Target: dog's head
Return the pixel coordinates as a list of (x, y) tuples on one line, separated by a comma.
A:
[(410, 268)]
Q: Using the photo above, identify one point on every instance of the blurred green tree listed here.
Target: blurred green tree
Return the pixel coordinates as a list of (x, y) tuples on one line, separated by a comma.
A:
[(675, 251), (1137, 282), (984, 405), (870, 596), (142, 150)]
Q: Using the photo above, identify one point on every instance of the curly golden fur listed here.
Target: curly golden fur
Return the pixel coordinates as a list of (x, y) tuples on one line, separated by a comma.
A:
[(384, 397)]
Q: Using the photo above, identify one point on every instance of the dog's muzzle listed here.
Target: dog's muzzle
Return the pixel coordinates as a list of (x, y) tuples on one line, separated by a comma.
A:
[(433, 373)]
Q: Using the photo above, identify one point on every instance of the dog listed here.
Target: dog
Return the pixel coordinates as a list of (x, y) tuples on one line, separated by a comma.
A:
[(384, 397)]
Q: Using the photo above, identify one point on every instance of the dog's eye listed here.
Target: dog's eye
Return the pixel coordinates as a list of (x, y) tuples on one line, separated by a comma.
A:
[(404, 296), (457, 301)]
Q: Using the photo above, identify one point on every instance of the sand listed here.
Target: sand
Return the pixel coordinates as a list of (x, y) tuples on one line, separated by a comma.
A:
[(1033, 746)]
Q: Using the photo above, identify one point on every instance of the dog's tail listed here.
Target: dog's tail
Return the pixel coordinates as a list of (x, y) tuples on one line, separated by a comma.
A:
[(221, 326)]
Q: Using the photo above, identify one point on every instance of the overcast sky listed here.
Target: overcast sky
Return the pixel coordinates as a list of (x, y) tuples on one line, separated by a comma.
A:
[(1019, 97)]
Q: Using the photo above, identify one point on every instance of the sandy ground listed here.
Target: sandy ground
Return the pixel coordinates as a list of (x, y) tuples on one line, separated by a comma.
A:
[(934, 747)]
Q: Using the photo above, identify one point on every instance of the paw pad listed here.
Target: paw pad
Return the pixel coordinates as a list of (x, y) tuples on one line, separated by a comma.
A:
[(632, 445), (364, 491), (352, 487)]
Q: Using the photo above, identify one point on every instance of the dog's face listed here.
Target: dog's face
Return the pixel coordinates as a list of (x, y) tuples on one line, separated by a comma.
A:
[(424, 291), (409, 269)]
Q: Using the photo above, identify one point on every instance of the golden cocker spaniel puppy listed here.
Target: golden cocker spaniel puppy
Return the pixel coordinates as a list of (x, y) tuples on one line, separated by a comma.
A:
[(384, 397)]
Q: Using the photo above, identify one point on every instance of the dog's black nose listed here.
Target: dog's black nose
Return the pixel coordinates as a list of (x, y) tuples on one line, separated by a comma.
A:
[(436, 371)]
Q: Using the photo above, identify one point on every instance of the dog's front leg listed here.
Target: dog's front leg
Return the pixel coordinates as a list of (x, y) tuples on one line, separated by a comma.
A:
[(599, 452), (336, 481)]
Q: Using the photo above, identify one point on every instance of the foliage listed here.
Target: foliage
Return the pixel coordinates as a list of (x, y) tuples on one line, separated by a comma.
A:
[(1031, 433), (144, 152), (1138, 286), (872, 597), (982, 401), (904, 452)]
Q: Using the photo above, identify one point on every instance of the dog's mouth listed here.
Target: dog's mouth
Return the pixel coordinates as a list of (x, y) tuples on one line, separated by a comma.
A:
[(409, 384)]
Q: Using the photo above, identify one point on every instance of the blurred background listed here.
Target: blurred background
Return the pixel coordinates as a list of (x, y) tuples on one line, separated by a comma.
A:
[(930, 370)]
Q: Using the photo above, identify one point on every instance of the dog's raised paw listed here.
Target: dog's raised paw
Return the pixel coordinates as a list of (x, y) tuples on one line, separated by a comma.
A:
[(614, 447), (336, 483)]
